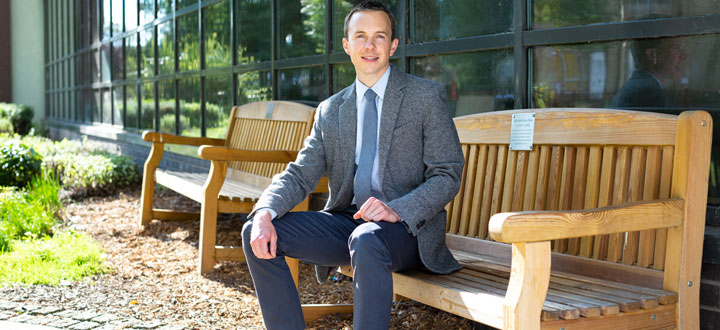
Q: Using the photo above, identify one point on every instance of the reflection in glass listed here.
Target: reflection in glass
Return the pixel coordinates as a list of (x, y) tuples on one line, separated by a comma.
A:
[(553, 13), (254, 87), (105, 62), (96, 106), (185, 3), (301, 28), (147, 114), (87, 105), (252, 16), (443, 20), (131, 15), (106, 9), (106, 107), (342, 7), (117, 105), (131, 106), (117, 16), (131, 56), (681, 72), (188, 42), (77, 106), (475, 82), (166, 60), (146, 53), (190, 111), (217, 35), (218, 96), (147, 11), (166, 91), (96, 68), (164, 7), (302, 84), (343, 76), (117, 60)]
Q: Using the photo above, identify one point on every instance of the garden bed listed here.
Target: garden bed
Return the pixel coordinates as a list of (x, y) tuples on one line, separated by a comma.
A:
[(154, 275)]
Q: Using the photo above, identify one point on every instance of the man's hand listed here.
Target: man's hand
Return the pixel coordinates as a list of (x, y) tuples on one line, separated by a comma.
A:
[(263, 237), (375, 210)]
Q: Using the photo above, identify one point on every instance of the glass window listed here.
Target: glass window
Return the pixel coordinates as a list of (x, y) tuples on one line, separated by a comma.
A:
[(301, 28), (146, 55), (95, 17), (96, 106), (105, 54), (131, 106), (218, 102), (147, 11), (217, 35), (117, 105), (131, 15), (443, 20), (106, 106), (118, 61), (343, 76), (164, 7), (131, 56), (78, 108), (117, 16), (97, 67), (254, 87), (185, 3), (342, 7), (87, 105), (147, 115), (190, 111), (166, 91), (302, 84), (106, 9), (475, 82), (553, 13), (166, 59), (252, 30), (652, 74), (188, 42)]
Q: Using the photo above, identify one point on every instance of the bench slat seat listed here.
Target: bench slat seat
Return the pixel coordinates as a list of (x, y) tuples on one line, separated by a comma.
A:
[(192, 183)]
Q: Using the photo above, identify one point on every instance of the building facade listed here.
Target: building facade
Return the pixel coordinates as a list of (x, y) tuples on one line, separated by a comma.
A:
[(114, 68)]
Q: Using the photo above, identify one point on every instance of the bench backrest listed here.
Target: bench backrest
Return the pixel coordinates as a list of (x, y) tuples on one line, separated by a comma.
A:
[(268, 125), (581, 159)]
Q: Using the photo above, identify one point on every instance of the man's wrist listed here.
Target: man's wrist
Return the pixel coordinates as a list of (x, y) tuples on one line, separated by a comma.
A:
[(267, 210)]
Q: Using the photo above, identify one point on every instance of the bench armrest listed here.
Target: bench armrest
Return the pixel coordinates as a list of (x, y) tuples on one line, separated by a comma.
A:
[(159, 137), (536, 226), (230, 154)]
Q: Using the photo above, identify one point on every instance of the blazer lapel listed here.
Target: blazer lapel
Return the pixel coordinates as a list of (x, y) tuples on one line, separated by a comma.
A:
[(347, 129), (391, 106)]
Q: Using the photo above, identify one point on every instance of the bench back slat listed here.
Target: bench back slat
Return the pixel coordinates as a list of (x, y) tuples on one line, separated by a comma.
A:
[(270, 125), (577, 162)]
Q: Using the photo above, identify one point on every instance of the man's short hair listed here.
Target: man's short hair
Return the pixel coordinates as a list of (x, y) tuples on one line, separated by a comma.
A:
[(373, 6)]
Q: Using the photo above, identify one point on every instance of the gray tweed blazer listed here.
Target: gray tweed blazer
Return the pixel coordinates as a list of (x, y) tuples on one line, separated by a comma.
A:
[(419, 157)]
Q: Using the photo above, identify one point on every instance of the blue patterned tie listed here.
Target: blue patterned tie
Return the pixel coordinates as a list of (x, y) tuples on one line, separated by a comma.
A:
[(363, 175)]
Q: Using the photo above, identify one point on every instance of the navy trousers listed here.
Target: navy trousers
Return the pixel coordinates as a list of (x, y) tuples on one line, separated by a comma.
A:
[(374, 249)]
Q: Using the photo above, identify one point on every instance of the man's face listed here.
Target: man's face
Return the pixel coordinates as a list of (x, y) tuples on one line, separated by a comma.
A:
[(369, 45), (672, 58)]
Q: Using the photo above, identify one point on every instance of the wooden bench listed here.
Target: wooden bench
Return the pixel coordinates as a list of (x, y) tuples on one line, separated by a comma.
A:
[(628, 257), (261, 139)]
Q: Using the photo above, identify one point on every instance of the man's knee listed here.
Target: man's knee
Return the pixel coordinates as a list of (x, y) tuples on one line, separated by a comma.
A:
[(365, 238)]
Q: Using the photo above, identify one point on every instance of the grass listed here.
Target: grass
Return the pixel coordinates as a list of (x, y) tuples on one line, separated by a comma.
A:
[(65, 256)]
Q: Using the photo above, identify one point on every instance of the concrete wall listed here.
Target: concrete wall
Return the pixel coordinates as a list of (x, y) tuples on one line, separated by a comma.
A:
[(27, 51)]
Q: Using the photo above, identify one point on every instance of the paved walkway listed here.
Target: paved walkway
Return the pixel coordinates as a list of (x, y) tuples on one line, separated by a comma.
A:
[(18, 316)]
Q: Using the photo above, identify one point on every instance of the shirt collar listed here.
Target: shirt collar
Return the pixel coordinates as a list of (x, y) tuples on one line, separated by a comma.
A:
[(378, 88)]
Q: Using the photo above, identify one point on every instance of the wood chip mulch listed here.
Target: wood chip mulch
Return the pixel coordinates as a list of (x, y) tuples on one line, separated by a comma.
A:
[(154, 274)]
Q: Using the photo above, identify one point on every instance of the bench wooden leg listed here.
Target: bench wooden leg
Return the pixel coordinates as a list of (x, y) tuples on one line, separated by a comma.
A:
[(312, 312), (148, 182), (528, 286), (208, 215)]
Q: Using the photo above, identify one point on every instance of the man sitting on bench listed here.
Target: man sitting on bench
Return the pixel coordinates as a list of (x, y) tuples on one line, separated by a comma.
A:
[(389, 147)]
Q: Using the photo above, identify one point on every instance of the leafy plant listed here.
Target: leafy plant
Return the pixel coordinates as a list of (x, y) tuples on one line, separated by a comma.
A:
[(23, 215), (18, 164), (19, 115)]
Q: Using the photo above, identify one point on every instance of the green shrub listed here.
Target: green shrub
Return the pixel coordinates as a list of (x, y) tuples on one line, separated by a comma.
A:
[(6, 125), (65, 256), (23, 216), (18, 164), (19, 115)]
